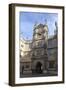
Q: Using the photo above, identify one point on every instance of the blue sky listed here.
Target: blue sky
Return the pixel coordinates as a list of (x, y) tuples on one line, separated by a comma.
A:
[(28, 19)]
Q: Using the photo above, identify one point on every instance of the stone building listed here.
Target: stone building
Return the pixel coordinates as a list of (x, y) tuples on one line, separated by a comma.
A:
[(53, 53), (39, 48), (39, 56), (25, 56)]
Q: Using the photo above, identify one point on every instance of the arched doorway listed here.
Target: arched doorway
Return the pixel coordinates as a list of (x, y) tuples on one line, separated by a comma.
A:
[(38, 67)]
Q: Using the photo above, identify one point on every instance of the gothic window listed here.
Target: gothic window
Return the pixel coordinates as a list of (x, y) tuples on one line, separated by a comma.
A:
[(36, 52), (39, 52)]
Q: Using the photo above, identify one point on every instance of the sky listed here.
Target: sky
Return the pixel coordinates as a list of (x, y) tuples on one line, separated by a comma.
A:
[(27, 21)]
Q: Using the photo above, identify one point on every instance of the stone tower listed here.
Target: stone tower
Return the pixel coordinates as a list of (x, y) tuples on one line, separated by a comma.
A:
[(39, 48)]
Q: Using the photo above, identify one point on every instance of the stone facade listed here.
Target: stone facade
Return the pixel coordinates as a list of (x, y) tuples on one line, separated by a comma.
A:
[(39, 56), (52, 55), (52, 65), (39, 48), (25, 56)]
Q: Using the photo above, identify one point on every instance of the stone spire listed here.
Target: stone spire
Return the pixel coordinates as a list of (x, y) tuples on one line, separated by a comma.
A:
[(56, 27)]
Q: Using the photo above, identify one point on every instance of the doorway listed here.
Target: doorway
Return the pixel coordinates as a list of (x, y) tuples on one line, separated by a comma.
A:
[(38, 67)]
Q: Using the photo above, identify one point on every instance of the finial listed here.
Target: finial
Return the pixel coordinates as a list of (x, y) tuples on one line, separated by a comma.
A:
[(56, 25), (56, 28)]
